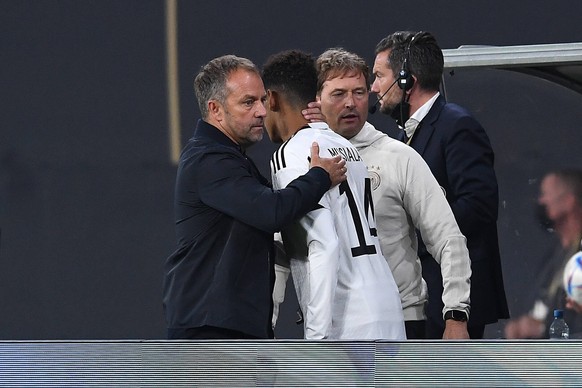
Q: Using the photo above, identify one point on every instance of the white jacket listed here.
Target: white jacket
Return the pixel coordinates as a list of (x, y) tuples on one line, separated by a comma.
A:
[(406, 195)]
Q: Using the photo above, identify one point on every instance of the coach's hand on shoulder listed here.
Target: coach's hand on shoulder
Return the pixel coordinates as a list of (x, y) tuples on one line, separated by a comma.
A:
[(335, 167)]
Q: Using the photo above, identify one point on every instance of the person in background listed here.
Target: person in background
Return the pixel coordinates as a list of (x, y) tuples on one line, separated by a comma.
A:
[(459, 154), (219, 281), (405, 195), (559, 210), (344, 286)]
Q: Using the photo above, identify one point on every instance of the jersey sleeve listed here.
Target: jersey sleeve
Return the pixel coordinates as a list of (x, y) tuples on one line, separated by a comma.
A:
[(316, 275), (312, 245), (282, 272)]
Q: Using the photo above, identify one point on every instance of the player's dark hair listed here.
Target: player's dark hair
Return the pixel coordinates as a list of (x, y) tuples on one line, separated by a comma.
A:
[(292, 73)]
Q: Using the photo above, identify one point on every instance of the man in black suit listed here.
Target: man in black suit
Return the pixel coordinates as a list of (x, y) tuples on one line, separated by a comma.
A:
[(459, 154), (219, 282)]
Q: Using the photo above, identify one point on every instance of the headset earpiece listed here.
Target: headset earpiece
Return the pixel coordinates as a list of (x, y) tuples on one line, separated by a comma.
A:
[(405, 80)]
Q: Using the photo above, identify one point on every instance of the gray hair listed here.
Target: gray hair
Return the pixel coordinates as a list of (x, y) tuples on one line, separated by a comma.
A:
[(210, 83)]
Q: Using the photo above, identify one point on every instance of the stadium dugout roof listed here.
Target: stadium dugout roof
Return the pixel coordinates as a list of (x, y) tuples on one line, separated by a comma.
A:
[(560, 63)]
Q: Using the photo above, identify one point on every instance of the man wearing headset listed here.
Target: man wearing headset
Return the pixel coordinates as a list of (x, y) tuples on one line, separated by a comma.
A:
[(459, 154)]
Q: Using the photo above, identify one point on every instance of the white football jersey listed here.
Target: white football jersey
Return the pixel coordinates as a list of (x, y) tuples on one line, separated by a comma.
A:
[(344, 285)]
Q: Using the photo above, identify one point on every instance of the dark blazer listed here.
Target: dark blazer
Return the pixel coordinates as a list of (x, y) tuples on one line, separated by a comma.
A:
[(222, 273), (459, 154)]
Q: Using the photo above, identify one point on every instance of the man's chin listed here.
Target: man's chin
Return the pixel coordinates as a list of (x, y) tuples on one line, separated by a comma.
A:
[(253, 139), (349, 131), (257, 138), (387, 110)]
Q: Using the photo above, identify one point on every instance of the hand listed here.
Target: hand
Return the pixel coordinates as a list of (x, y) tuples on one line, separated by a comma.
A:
[(524, 327), (335, 167), (572, 305), (313, 112), (455, 330)]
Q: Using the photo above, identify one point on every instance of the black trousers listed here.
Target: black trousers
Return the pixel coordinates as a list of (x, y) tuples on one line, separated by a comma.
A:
[(415, 329), (208, 332)]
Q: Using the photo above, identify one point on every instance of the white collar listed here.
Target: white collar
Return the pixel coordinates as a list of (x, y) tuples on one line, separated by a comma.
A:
[(421, 113)]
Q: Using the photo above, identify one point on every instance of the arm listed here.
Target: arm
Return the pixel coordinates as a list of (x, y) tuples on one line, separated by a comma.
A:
[(227, 185), (282, 271), (315, 270), (546, 286), (531, 325), (524, 327), (431, 214), (312, 248)]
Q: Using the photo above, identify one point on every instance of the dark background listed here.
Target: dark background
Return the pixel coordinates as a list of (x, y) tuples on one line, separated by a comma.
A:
[(86, 177)]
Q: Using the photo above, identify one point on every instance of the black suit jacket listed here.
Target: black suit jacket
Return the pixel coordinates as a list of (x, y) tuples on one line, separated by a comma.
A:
[(222, 273), (459, 154)]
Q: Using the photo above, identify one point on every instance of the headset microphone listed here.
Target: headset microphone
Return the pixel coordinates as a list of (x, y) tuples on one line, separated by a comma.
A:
[(374, 108)]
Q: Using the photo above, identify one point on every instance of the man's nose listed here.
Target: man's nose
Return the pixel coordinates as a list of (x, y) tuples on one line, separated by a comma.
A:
[(350, 103)]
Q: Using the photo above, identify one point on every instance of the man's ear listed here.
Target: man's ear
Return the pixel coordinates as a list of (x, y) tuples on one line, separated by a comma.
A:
[(414, 84), (215, 110), (273, 100)]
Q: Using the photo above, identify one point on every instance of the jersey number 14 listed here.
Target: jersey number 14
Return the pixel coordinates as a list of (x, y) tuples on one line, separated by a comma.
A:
[(362, 248)]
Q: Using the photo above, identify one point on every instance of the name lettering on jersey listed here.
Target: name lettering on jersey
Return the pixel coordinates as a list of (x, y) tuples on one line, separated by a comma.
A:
[(349, 154)]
